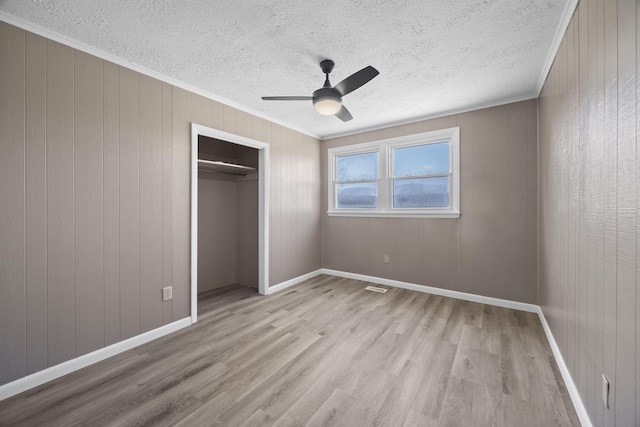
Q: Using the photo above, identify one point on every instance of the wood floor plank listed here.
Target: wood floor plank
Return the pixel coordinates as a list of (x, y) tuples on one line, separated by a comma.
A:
[(259, 418), (467, 404), (315, 396), (402, 393), (481, 368), (515, 372), (325, 353), (416, 419), (332, 410), (439, 357), (481, 339), (368, 400)]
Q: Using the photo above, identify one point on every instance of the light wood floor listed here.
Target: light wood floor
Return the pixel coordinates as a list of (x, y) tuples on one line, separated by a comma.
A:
[(325, 352)]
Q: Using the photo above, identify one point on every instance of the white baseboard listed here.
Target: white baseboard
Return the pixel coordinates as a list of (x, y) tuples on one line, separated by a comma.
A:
[(57, 371), (532, 308), (291, 282), (566, 375)]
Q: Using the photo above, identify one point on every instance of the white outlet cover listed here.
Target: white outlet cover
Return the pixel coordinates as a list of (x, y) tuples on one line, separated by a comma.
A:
[(167, 293)]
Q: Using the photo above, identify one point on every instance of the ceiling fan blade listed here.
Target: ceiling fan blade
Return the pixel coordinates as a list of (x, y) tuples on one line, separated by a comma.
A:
[(287, 98), (344, 114), (354, 81)]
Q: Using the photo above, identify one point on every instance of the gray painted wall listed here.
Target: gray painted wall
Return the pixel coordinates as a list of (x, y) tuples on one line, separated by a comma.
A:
[(94, 200), (491, 249), (589, 198)]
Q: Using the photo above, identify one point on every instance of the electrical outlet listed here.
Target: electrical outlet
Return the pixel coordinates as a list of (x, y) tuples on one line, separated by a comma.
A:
[(167, 293), (605, 391), (386, 259)]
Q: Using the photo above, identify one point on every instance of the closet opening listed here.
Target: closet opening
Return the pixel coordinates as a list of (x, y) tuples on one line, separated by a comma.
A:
[(229, 223)]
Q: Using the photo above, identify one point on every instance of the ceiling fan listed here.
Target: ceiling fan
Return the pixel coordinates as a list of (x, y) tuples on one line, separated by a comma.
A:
[(328, 100)]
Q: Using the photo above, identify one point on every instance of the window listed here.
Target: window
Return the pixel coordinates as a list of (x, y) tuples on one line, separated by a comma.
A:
[(421, 175), (357, 181), (414, 176)]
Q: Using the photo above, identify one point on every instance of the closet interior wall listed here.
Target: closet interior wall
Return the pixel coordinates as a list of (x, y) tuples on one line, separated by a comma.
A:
[(227, 218)]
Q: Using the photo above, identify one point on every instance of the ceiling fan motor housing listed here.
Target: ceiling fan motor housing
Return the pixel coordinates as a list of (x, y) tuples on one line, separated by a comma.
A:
[(327, 101)]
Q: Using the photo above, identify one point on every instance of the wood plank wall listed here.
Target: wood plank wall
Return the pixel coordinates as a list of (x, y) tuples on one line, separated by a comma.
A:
[(491, 249), (94, 200), (589, 198)]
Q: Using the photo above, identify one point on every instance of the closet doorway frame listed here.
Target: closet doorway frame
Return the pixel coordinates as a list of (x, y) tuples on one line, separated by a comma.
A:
[(263, 206)]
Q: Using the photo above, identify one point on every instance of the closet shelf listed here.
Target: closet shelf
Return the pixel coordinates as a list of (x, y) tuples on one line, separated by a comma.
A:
[(223, 167)]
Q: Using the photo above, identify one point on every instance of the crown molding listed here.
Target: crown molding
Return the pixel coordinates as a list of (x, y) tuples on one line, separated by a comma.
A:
[(75, 44)]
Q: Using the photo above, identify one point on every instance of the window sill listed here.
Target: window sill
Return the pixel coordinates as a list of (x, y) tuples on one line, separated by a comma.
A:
[(387, 214)]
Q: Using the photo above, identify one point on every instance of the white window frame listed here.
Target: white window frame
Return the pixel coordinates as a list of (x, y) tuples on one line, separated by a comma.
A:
[(385, 180)]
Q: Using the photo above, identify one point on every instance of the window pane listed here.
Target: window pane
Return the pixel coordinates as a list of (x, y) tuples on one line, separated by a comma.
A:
[(421, 193), (357, 167), (421, 159), (360, 195)]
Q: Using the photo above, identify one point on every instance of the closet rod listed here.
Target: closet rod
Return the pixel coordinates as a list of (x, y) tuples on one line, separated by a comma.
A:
[(223, 167), (226, 173)]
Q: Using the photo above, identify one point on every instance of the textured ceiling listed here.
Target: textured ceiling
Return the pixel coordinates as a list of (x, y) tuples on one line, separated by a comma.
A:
[(434, 56)]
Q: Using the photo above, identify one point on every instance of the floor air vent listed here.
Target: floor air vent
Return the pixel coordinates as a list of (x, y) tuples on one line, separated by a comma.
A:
[(375, 289)]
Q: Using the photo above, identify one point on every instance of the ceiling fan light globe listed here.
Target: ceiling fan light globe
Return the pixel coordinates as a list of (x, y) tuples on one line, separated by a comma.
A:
[(327, 106)]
